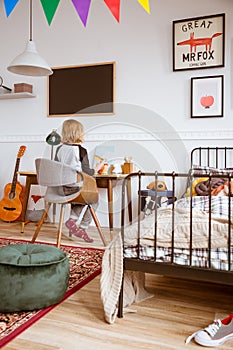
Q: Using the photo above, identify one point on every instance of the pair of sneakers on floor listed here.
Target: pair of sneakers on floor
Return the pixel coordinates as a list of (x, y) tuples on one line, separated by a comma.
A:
[(215, 334), (77, 231)]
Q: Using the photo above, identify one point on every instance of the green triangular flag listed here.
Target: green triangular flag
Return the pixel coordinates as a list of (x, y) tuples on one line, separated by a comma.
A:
[(49, 8)]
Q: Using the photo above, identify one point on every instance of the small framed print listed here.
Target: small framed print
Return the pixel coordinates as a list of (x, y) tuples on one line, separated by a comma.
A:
[(199, 42), (207, 96)]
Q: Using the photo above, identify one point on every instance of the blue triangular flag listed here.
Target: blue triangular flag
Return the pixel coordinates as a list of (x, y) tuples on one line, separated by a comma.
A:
[(9, 6)]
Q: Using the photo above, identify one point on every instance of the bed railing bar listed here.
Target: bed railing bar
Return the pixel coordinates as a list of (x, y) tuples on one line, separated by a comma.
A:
[(225, 157), (199, 157), (173, 220), (156, 216), (139, 212), (177, 175), (208, 156), (190, 223), (123, 209), (229, 222), (217, 154), (191, 156), (209, 228), (120, 300)]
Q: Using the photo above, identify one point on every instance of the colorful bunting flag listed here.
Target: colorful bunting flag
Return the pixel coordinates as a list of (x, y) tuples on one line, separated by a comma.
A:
[(82, 7), (145, 4), (114, 6), (9, 6), (49, 8)]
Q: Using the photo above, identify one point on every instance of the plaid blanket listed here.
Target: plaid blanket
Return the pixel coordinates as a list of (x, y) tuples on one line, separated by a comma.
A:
[(219, 204), (181, 256), (220, 208)]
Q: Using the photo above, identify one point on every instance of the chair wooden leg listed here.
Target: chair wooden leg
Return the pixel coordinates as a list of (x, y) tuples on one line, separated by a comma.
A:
[(54, 212), (98, 225), (59, 232), (43, 217)]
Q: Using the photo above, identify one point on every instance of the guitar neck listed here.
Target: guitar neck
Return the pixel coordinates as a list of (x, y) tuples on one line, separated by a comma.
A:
[(15, 176)]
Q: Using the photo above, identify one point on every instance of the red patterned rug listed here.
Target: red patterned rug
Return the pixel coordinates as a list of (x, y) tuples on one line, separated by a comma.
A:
[(85, 264)]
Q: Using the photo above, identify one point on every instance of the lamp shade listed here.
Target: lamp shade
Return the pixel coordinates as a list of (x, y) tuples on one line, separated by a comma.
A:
[(30, 63)]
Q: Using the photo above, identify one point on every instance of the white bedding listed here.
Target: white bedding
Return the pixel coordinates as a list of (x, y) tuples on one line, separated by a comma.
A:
[(200, 225)]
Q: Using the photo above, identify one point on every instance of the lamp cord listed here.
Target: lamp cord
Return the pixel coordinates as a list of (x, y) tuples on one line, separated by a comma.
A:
[(30, 20)]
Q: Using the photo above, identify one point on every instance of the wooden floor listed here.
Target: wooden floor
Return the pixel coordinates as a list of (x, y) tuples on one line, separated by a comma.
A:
[(178, 309)]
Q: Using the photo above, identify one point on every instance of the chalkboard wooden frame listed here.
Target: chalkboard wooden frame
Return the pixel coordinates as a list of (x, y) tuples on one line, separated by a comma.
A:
[(82, 90)]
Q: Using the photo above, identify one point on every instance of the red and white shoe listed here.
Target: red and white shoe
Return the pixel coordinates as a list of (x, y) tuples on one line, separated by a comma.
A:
[(215, 334)]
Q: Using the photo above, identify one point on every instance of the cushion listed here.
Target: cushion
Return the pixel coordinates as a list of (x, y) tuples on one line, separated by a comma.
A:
[(32, 276), (205, 169)]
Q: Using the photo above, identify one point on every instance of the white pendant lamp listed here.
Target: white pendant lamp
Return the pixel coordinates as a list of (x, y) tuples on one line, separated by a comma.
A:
[(29, 62)]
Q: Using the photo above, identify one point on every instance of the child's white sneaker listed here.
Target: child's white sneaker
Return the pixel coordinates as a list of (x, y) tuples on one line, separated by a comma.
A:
[(215, 334)]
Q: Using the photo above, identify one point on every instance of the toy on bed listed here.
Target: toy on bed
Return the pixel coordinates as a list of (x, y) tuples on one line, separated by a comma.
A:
[(161, 186), (214, 187), (149, 201)]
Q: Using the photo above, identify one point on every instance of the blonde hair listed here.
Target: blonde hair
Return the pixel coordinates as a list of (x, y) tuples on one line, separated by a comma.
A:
[(72, 131)]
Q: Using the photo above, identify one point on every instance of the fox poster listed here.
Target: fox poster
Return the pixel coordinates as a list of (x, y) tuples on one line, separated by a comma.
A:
[(199, 42)]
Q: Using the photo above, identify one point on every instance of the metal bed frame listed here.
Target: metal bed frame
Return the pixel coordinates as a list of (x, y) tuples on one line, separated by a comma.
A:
[(207, 156)]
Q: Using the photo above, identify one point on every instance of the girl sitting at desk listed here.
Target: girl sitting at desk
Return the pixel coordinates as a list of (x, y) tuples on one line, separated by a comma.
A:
[(73, 154)]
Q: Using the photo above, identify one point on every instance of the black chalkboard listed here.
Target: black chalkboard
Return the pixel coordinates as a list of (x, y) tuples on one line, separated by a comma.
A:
[(82, 90)]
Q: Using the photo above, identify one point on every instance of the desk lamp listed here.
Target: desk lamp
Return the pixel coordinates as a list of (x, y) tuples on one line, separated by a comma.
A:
[(53, 139)]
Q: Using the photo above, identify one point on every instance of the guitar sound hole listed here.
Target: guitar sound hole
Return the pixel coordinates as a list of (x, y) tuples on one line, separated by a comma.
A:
[(11, 209)]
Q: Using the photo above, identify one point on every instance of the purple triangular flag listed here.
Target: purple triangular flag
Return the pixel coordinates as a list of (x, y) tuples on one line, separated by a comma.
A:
[(82, 7), (9, 6)]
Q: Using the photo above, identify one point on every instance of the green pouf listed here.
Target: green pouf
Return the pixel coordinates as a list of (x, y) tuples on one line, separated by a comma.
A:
[(32, 276)]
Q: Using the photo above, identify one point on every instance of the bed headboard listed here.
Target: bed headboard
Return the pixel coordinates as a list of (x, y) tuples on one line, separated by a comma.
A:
[(218, 157)]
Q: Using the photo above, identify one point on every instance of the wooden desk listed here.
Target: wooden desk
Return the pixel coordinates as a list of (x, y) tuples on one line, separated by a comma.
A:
[(109, 181), (103, 181)]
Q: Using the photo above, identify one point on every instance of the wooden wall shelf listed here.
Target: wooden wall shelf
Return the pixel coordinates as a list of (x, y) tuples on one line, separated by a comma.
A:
[(16, 95)]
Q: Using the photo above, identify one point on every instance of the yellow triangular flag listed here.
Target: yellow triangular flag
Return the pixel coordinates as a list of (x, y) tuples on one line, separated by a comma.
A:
[(145, 4)]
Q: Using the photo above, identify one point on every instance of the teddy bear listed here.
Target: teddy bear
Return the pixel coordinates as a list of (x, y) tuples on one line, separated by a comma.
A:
[(150, 203), (161, 186)]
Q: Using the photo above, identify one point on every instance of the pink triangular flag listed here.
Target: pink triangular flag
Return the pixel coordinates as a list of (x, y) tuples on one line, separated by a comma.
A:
[(82, 7), (114, 6), (145, 4)]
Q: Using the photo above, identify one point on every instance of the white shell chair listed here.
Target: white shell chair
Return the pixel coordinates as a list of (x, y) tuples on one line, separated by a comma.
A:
[(54, 175)]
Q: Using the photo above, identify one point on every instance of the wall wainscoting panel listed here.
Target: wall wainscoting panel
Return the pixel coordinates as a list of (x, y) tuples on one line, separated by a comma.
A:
[(215, 135)]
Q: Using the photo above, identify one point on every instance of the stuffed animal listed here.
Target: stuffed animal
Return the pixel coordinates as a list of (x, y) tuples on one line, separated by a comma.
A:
[(226, 188), (150, 202), (161, 186), (194, 184)]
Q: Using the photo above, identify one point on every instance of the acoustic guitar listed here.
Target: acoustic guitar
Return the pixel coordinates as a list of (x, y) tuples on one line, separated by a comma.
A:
[(11, 204)]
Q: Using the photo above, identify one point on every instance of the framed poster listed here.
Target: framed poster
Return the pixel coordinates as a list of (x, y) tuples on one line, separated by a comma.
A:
[(199, 42), (207, 96)]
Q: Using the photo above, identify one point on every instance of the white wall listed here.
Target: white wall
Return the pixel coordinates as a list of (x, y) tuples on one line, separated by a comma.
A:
[(152, 121)]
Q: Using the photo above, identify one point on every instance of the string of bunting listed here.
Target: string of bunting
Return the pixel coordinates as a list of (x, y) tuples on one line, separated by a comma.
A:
[(81, 6)]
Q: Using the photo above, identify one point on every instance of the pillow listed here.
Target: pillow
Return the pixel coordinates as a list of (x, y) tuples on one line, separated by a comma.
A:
[(205, 169)]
